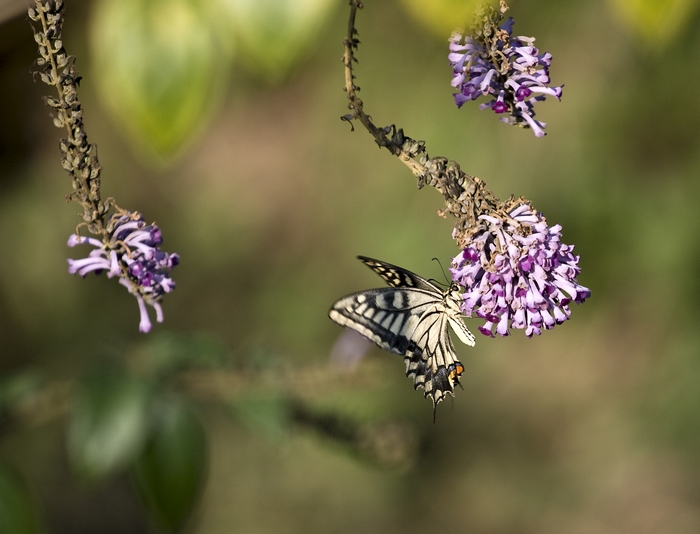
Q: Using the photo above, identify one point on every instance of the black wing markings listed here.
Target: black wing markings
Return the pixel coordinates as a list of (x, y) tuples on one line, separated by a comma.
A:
[(409, 318)]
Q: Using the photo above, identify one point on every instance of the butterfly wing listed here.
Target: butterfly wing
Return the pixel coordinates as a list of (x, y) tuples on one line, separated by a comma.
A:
[(387, 316), (409, 318), (397, 276), (434, 365)]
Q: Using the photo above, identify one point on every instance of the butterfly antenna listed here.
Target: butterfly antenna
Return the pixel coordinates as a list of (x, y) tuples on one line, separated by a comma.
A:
[(442, 269)]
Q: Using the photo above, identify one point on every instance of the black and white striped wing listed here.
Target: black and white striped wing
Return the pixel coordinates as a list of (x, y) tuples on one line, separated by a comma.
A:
[(399, 277), (411, 319)]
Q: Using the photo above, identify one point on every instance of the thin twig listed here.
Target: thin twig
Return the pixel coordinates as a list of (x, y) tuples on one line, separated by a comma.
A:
[(466, 197), (393, 143)]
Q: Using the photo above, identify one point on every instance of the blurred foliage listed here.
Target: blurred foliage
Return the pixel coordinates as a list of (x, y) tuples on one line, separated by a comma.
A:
[(268, 414), (229, 417), (171, 470), (158, 66), (109, 423), (165, 353), (656, 22), (161, 68), (274, 35), (17, 387), (17, 511), (442, 16)]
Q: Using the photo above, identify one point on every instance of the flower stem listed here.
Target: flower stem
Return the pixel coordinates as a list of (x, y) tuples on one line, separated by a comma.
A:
[(57, 69), (466, 197)]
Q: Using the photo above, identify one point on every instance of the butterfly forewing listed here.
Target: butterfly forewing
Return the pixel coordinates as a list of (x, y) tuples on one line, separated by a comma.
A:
[(399, 277), (409, 318)]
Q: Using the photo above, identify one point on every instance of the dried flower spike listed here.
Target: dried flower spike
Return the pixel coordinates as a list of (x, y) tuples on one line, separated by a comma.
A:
[(124, 246), (491, 62)]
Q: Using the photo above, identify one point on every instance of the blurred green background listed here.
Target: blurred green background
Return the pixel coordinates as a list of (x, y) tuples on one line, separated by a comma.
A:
[(268, 197)]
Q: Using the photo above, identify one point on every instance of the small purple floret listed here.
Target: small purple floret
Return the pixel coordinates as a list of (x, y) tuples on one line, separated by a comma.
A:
[(517, 274), (515, 77), (133, 254)]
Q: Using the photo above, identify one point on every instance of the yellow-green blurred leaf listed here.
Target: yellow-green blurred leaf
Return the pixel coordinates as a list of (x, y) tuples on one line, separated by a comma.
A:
[(656, 22), (442, 16), (158, 65), (17, 513), (272, 36), (171, 471), (109, 423)]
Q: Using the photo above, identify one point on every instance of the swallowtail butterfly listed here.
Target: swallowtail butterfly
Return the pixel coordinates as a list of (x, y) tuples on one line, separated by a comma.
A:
[(410, 318)]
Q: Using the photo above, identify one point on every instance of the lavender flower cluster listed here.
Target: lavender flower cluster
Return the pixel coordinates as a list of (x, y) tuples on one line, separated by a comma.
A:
[(510, 70), (517, 274), (133, 254)]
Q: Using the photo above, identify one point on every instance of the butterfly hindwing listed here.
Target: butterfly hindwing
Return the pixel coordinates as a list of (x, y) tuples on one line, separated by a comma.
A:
[(409, 318)]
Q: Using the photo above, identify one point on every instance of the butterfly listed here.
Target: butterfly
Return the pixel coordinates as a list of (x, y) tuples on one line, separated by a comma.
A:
[(410, 318)]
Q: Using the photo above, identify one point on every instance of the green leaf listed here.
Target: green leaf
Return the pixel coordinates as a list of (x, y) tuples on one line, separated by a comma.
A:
[(17, 513), (171, 471), (272, 36), (109, 423), (158, 66)]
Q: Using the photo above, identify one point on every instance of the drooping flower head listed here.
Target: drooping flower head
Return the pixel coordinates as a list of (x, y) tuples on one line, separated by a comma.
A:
[(517, 273), (132, 253), (510, 70)]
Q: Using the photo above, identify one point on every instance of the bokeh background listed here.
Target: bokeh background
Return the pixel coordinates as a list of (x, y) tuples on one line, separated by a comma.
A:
[(268, 197)]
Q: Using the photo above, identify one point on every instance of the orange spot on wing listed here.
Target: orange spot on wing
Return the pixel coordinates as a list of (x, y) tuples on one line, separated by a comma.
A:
[(456, 372)]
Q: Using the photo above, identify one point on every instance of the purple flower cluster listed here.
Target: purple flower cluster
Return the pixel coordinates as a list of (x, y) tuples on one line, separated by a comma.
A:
[(133, 254), (516, 273), (512, 71)]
